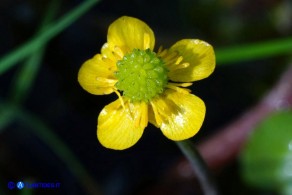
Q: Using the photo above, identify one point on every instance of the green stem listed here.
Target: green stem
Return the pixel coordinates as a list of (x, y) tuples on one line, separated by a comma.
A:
[(199, 167), (254, 51), (24, 78), (38, 41)]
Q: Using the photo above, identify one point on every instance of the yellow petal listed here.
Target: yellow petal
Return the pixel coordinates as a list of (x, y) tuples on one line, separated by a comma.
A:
[(121, 127), (112, 53), (197, 62), (179, 115), (151, 116), (96, 75), (128, 33)]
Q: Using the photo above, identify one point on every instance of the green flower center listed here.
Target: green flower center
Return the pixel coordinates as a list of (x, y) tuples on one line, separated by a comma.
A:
[(141, 75)]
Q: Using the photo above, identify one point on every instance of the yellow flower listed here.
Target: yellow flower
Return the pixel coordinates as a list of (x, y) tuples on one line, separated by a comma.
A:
[(152, 84)]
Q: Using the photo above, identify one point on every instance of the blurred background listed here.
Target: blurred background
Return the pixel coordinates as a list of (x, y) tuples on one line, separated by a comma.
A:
[(53, 139)]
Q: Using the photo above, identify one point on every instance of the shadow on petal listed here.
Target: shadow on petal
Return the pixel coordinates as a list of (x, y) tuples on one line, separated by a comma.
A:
[(121, 127)]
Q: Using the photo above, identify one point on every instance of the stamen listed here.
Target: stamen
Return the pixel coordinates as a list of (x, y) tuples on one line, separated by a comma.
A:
[(185, 65), (142, 115), (162, 52), (181, 84), (160, 49), (161, 107), (179, 66), (146, 41), (179, 59), (106, 81), (110, 63), (156, 114), (170, 56), (115, 55), (120, 98), (119, 52), (172, 60), (178, 89)]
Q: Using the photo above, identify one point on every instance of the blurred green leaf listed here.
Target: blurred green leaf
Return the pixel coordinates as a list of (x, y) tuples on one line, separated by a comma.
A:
[(7, 115), (253, 51), (266, 159), (24, 78), (26, 75), (47, 135), (38, 41)]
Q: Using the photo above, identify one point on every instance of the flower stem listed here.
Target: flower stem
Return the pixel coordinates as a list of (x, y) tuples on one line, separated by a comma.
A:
[(199, 167)]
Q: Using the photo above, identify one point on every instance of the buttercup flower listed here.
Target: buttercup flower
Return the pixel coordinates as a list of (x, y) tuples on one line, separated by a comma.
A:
[(151, 86)]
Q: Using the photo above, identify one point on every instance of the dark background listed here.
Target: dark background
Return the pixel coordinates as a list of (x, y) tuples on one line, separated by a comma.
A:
[(71, 112)]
